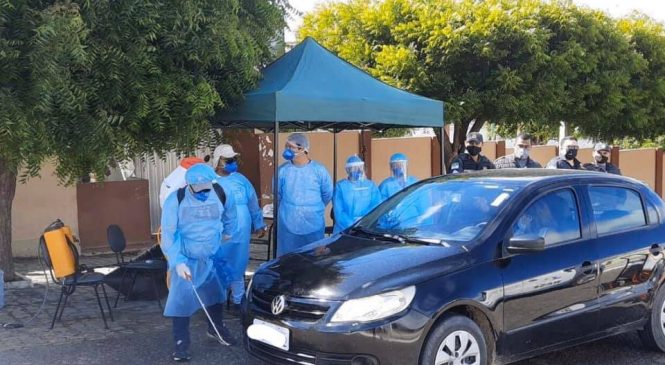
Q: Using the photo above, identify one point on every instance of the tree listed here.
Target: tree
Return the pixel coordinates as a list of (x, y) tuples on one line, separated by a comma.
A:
[(513, 63), (87, 83), (644, 112)]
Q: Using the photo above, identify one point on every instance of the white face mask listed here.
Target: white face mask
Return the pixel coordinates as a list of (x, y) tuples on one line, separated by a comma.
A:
[(521, 153)]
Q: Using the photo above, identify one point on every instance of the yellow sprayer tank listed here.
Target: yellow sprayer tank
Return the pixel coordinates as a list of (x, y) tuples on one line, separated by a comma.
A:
[(62, 258)]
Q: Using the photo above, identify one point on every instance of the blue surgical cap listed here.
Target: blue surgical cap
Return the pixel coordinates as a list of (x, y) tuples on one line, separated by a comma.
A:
[(299, 140), (398, 157)]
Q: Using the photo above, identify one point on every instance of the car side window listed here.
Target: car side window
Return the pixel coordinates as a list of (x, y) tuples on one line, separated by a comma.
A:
[(653, 213), (616, 209), (554, 217)]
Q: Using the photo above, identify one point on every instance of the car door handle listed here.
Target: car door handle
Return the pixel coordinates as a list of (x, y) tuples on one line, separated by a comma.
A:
[(588, 267), (656, 249)]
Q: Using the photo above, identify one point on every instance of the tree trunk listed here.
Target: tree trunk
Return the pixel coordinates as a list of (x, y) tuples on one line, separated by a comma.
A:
[(447, 148), (7, 191)]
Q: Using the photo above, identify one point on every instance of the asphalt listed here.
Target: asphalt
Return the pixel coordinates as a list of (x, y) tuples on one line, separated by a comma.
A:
[(149, 347), (141, 335), (154, 346)]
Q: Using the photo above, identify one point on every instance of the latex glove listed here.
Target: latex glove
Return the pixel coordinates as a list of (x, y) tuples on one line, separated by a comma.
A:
[(261, 232), (183, 271)]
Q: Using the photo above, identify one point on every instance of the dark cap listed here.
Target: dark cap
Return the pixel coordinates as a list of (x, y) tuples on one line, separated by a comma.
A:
[(602, 147), (474, 137)]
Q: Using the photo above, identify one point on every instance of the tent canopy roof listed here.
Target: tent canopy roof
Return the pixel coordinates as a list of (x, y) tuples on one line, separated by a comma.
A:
[(311, 87)]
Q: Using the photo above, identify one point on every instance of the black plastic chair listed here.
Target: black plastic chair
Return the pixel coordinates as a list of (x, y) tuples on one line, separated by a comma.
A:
[(68, 285), (118, 243)]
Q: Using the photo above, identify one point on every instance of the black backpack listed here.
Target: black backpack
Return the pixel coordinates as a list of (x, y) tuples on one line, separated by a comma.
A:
[(218, 190)]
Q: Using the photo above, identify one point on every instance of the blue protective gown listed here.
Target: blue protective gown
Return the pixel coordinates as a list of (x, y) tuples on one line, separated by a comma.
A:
[(352, 200), (192, 233), (304, 191), (392, 185), (235, 252)]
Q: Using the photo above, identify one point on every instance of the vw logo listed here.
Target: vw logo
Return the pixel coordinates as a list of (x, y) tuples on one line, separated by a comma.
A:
[(278, 305)]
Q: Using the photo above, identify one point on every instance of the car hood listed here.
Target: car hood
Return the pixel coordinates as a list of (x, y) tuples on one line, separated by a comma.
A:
[(344, 267)]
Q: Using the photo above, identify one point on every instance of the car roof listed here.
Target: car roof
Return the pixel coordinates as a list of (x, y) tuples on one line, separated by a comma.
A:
[(528, 176)]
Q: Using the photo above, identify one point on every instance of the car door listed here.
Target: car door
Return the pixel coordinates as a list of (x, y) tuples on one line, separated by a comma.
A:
[(550, 296), (629, 241)]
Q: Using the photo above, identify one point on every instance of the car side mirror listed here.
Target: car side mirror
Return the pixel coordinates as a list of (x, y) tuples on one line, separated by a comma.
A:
[(525, 244)]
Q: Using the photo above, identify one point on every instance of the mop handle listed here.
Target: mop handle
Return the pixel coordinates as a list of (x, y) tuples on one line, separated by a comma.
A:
[(206, 311)]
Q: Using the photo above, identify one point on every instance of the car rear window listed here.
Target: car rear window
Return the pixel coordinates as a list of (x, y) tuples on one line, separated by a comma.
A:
[(616, 209)]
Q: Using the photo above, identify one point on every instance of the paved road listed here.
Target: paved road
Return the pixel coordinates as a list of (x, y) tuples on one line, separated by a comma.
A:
[(153, 347), (141, 335)]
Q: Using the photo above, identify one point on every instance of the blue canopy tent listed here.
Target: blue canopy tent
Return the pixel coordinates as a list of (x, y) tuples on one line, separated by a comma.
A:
[(311, 88)]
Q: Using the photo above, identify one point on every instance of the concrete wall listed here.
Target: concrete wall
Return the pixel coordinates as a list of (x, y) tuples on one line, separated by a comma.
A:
[(42, 200), (490, 150), (125, 203), (639, 164), (417, 149), (585, 155), (38, 203)]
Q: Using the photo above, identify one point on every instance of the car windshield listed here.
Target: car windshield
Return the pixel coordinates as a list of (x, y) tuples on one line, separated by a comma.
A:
[(440, 211)]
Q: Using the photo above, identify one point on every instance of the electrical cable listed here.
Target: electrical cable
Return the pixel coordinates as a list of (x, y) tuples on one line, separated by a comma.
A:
[(41, 307)]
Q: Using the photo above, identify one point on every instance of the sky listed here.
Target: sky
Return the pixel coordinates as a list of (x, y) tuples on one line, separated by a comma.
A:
[(618, 8)]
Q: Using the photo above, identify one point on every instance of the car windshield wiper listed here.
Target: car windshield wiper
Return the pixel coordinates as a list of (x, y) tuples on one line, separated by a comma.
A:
[(402, 238), (374, 234), (427, 241), (366, 231)]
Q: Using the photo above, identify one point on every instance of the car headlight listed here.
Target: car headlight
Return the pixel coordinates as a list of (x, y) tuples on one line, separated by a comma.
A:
[(375, 307)]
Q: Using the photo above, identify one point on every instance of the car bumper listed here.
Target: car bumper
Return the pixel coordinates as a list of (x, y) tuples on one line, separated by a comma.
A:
[(397, 342)]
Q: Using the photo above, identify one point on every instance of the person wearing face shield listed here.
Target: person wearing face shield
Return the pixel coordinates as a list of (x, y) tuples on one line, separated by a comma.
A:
[(195, 223), (399, 179), (304, 189), (471, 159), (520, 157), (601, 160), (567, 158), (354, 196), (235, 253)]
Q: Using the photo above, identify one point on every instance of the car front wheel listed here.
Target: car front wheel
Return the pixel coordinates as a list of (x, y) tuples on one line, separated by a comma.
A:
[(457, 340), (653, 334)]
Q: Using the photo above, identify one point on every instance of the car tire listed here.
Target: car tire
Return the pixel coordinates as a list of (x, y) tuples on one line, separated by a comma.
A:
[(455, 338), (653, 334)]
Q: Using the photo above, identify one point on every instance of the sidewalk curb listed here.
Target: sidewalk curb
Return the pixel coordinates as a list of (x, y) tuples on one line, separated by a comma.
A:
[(24, 283)]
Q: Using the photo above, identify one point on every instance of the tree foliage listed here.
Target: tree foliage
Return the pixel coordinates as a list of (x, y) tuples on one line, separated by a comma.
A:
[(87, 83), (526, 64), (90, 82)]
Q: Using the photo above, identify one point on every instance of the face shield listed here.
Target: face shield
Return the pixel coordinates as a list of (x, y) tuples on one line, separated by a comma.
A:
[(398, 169), (356, 171)]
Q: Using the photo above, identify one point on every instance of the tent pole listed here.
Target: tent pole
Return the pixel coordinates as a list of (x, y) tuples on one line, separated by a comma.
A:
[(334, 156), (275, 185), (334, 165), (443, 153)]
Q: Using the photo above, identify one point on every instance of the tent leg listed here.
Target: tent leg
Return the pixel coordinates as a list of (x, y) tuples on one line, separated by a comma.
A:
[(275, 195), (334, 156), (443, 153), (334, 166)]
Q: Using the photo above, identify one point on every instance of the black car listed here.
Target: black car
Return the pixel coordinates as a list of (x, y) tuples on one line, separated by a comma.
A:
[(478, 268)]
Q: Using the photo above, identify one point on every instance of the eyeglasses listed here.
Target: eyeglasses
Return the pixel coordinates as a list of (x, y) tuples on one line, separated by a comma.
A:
[(604, 153), (291, 147), (525, 146), (230, 160)]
